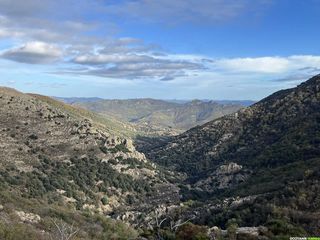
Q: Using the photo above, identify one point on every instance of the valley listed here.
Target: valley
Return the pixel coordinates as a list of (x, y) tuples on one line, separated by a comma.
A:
[(89, 168), (159, 117)]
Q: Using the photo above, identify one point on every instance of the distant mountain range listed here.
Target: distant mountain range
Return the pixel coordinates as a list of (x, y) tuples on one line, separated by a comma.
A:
[(179, 115), (72, 100)]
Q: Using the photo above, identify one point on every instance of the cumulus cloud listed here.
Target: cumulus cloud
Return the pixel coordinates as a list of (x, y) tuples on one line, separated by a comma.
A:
[(34, 53)]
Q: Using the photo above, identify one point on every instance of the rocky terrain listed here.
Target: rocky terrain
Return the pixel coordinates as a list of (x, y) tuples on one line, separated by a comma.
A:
[(54, 156), (252, 174)]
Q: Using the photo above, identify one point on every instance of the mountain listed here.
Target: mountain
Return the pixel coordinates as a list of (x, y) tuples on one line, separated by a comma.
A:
[(72, 100), (160, 114), (63, 168), (261, 165), (245, 103), (66, 171)]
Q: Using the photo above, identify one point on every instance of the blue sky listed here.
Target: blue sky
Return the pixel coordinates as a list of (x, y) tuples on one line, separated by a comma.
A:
[(182, 49)]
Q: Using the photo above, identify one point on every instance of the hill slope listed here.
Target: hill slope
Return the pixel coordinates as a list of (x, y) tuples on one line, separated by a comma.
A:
[(269, 149), (60, 163)]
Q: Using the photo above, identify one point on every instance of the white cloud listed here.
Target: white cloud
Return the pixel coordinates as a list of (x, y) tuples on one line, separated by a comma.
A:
[(136, 66), (109, 59), (8, 33), (265, 65), (262, 64), (305, 60), (34, 53)]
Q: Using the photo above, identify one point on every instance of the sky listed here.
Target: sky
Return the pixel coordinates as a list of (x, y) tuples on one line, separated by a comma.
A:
[(168, 49)]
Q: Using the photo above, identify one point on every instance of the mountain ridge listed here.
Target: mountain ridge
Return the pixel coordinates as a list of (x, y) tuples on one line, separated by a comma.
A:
[(63, 164), (258, 153), (155, 113)]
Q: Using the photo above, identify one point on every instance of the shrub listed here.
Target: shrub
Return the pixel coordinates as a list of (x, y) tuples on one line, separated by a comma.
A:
[(33, 137), (18, 232), (104, 200), (190, 231), (280, 227)]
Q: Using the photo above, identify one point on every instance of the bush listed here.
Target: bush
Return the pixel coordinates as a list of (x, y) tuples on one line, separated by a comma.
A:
[(18, 232), (104, 200), (33, 137), (280, 227), (190, 231)]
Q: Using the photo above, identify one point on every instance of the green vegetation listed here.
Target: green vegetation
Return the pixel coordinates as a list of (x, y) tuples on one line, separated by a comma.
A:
[(54, 217), (121, 148), (190, 231), (77, 177), (18, 231)]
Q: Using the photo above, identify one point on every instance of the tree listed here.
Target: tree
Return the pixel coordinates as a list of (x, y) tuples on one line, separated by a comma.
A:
[(232, 226), (63, 231)]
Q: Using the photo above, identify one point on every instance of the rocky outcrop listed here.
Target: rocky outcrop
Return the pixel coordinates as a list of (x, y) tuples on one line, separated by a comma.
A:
[(226, 176), (28, 217), (230, 168)]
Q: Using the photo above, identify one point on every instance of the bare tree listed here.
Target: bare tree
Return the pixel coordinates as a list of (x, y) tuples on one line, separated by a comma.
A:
[(174, 224), (64, 231)]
